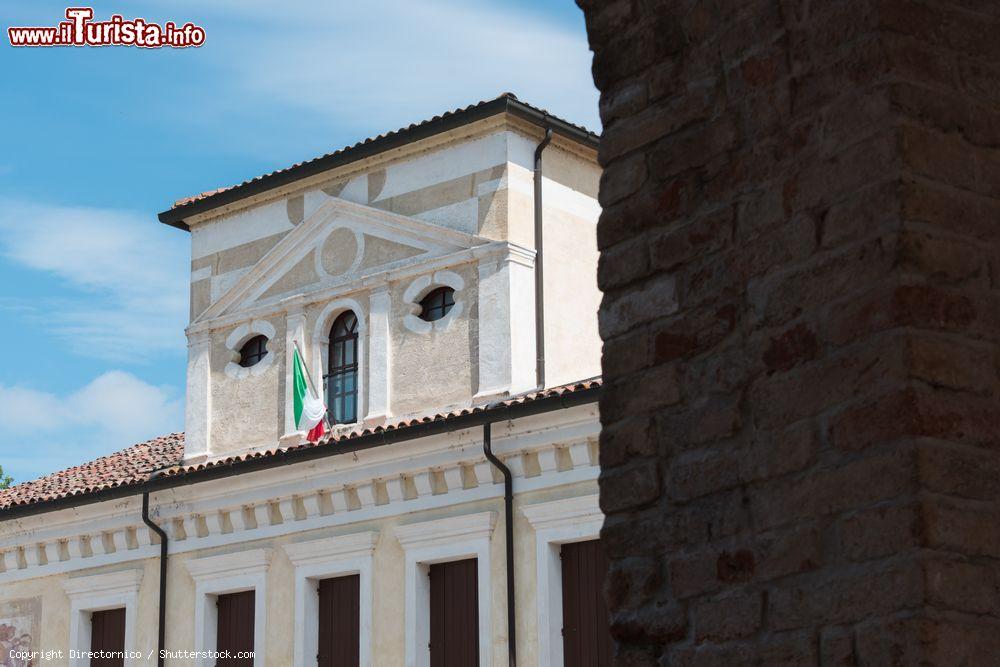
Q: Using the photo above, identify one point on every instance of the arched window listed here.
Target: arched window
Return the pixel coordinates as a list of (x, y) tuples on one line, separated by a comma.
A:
[(341, 379)]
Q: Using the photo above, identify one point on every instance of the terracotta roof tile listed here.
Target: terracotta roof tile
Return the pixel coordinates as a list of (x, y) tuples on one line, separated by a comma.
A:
[(163, 456), (128, 466)]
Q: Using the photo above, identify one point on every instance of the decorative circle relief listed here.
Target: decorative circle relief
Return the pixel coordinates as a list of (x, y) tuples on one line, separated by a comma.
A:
[(235, 341), (340, 252)]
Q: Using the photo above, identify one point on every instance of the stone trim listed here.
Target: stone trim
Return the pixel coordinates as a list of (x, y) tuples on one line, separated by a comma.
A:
[(275, 503), (438, 541), (241, 335), (229, 573), (556, 523), (320, 559), (99, 592), (419, 288)]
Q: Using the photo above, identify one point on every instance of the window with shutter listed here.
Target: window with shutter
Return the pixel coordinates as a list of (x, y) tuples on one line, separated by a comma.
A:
[(454, 614), (339, 622), (107, 633), (235, 628), (586, 634)]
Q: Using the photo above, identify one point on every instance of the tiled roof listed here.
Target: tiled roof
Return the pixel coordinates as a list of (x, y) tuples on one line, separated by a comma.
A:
[(127, 467), (504, 102), (162, 456)]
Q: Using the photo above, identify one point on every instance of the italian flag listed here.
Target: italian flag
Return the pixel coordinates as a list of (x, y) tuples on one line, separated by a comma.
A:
[(309, 409)]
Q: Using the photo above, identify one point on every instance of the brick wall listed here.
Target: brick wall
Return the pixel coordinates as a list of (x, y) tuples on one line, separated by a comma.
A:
[(800, 255)]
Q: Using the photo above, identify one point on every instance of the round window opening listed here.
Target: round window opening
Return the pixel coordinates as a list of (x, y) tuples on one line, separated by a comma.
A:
[(436, 304), (253, 351)]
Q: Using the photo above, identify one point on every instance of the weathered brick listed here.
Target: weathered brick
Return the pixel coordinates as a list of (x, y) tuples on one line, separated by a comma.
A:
[(723, 618), (627, 440), (878, 532), (650, 622), (963, 586), (962, 528), (912, 412), (622, 179), (858, 483), (632, 582), (629, 486), (836, 648), (960, 471), (843, 598), (802, 301)]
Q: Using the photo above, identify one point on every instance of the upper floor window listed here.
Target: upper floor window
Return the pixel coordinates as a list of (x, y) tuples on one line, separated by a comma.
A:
[(253, 351), (436, 304), (341, 379)]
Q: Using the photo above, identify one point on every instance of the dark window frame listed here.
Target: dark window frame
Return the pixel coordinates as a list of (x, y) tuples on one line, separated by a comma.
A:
[(340, 383), (253, 351), (437, 303)]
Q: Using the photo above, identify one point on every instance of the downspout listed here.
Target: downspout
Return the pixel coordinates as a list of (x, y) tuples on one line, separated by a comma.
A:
[(539, 273), (508, 506), (162, 628)]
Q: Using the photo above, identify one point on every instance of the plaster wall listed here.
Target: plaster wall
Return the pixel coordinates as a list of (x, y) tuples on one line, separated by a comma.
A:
[(439, 368), (388, 585), (246, 411), (479, 184)]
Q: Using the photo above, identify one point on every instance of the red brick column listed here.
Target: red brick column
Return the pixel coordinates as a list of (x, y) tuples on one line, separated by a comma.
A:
[(800, 255)]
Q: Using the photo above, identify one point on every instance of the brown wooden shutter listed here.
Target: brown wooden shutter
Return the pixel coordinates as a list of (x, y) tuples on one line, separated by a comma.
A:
[(454, 614), (107, 633), (339, 622), (586, 635), (235, 627)]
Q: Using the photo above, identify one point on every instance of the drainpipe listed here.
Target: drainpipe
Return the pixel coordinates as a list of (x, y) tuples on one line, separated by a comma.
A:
[(539, 274), (162, 628), (508, 507)]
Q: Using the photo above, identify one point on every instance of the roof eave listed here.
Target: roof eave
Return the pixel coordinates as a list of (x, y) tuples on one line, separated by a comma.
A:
[(178, 215), (491, 414)]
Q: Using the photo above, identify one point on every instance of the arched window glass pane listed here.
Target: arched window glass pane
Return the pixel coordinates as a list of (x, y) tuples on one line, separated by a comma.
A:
[(341, 379)]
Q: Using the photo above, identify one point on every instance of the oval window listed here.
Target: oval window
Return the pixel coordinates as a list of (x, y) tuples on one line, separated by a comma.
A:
[(436, 304), (253, 351)]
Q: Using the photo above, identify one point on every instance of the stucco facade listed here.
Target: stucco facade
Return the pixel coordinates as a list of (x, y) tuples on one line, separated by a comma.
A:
[(453, 209)]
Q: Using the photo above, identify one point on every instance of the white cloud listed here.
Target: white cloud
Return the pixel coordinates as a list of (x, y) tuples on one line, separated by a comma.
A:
[(41, 432), (374, 65), (128, 273)]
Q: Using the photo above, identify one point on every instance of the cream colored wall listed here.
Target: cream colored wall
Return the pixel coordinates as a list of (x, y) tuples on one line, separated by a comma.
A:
[(437, 369), (480, 182), (456, 182), (569, 217), (247, 412), (387, 579), (55, 621), (570, 210)]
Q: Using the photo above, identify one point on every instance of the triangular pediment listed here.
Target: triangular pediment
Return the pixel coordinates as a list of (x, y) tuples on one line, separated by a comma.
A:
[(340, 242)]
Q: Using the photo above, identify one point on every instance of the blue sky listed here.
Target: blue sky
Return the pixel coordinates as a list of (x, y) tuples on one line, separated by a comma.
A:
[(93, 290)]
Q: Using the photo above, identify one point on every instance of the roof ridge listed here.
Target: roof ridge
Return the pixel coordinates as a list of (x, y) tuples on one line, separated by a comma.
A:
[(509, 102)]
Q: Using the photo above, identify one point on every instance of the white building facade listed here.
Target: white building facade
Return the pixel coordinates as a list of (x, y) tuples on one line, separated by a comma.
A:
[(404, 270)]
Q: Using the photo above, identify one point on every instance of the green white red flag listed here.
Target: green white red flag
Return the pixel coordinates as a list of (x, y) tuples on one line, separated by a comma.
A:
[(308, 407)]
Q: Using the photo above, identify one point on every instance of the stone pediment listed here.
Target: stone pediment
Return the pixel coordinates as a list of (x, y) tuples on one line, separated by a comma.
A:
[(340, 242)]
